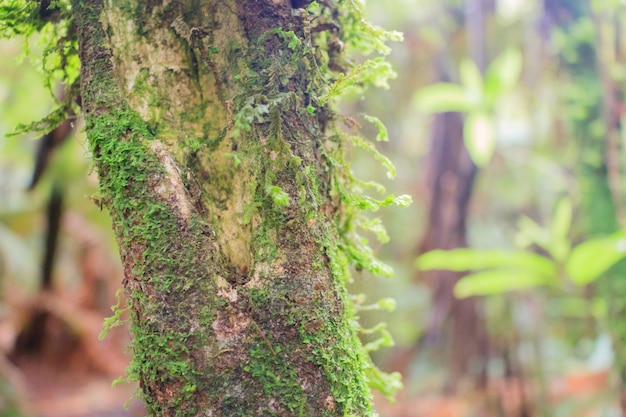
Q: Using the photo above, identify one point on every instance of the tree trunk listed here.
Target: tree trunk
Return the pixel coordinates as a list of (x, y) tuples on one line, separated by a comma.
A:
[(218, 181), (450, 178)]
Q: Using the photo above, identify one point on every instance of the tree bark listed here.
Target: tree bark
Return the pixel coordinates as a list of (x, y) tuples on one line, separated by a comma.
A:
[(218, 184)]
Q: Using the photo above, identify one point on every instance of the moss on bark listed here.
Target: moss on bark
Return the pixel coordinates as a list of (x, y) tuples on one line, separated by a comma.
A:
[(208, 123)]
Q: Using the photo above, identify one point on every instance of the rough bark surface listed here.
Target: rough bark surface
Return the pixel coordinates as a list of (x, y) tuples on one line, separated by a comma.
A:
[(214, 174)]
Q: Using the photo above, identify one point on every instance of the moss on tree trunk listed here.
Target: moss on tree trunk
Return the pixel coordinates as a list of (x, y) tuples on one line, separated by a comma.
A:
[(215, 165)]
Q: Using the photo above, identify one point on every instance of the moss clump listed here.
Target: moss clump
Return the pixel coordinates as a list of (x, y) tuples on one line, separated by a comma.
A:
[(165, 270)]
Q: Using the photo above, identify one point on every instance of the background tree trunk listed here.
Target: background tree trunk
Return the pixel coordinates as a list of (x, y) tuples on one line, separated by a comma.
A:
[(220, 192), (450, 177)]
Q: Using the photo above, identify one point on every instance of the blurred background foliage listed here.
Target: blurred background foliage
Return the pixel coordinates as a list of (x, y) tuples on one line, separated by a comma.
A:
[(506, 125)]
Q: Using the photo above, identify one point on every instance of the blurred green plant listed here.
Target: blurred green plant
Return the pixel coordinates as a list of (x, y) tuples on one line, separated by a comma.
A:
[(477, 97), (46, 26), (562, 265)]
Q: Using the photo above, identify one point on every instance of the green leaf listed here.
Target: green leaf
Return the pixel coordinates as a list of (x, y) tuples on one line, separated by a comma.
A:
[(443, 97), (560, 244), (479, 137), (562, 218), (503, 73), (465, 259), (590, 259), (497, 281), (531, 233), (472, 81)]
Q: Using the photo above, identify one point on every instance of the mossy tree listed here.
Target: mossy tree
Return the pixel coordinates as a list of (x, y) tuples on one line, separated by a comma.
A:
[(222, 163)]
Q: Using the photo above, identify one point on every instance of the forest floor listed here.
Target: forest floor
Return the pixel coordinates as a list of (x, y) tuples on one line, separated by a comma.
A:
[(576, 395)]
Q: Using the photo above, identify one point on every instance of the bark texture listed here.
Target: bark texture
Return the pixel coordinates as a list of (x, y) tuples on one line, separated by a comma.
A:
[(220, 192)]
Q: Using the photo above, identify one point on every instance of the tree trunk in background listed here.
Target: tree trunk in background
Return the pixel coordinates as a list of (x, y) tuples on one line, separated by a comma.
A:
[(212, 170), (450, 175)]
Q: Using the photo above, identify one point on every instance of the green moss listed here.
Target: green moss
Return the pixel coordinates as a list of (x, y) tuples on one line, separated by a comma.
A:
[(119, 141), (334, 343), (278, 378), (119, 144)]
